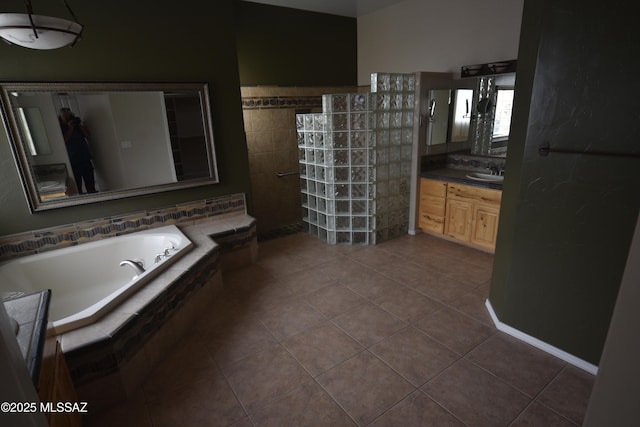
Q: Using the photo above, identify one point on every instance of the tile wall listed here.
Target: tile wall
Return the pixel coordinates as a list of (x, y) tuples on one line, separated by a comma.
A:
[(269, 120)]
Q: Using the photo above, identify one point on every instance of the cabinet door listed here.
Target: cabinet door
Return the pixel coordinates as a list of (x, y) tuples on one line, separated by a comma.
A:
[(432, 223), (485, 226), (458, 219), (432, 205)]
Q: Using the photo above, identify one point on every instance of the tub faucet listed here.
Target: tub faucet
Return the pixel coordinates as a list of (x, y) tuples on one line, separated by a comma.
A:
[(136, 265), (165, 254)]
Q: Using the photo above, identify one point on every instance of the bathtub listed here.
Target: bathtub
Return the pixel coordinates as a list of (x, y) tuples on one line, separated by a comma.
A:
[(87, 280)]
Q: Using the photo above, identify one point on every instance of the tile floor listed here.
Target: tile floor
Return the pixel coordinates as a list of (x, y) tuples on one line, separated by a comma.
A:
[(389, 335)]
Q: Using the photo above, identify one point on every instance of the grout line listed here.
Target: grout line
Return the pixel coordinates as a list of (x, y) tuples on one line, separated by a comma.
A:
[(496, 376), (566, 366), (521, 412), (336, 401), (433, 399), (407, 325)]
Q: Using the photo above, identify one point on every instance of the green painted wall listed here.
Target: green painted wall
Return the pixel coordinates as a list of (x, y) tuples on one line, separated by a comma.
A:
[(567, 220), (289, 47), (162, 41)]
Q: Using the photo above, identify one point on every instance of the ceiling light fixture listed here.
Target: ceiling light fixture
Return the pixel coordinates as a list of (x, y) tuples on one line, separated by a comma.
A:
[(39, 32)]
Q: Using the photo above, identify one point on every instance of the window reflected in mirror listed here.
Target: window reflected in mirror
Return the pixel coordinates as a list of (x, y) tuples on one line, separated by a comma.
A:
[(33, 131), (502, 121), (461, 115)]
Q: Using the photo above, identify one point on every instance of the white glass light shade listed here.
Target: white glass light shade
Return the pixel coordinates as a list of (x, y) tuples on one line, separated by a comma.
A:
[(53, 33)]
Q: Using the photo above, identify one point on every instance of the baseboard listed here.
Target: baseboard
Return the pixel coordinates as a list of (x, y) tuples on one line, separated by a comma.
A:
[(554, 351)]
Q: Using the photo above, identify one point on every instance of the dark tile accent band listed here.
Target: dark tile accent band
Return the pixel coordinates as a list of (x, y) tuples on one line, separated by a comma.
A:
[(255, 102), (233, 239)]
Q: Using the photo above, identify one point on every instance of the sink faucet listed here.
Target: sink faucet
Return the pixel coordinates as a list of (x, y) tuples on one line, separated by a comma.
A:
[(136, 265)]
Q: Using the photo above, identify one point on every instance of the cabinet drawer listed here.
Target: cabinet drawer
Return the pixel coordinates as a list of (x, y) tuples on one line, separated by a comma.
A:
[(433, 187), (432, 223), (432, 205), (476, 194)]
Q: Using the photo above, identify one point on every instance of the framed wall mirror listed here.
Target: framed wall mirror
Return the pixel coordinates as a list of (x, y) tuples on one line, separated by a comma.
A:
[(471, 113), (79, 143)]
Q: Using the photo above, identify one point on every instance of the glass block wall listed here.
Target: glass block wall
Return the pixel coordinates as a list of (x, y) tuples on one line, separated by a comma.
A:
[(355, 162), (482, 127)]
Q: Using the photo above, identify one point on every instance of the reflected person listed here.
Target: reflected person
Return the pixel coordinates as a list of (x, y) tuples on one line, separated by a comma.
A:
[(75, 138)]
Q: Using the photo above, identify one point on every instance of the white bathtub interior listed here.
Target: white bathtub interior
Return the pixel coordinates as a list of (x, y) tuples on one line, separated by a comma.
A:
[(87, 280)]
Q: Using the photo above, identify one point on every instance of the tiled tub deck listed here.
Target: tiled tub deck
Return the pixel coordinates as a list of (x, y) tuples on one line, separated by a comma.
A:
[(110, 358)]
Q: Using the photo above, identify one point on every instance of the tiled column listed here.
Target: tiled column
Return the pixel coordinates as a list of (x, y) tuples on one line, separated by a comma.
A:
[(393, 126)]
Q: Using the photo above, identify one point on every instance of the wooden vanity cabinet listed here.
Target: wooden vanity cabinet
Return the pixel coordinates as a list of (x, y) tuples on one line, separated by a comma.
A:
[(464, 213)]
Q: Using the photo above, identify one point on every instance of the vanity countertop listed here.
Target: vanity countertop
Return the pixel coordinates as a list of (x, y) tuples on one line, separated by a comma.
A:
[(458, 175), (31, 313)]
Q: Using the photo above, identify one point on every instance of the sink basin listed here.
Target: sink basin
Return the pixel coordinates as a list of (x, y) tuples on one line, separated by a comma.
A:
[(485, 177)]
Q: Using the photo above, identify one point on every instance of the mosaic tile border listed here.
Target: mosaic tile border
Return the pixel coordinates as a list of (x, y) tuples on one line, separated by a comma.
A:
[(463, 161), (37, 241), (261, 102), (460, 161), (433, 161)]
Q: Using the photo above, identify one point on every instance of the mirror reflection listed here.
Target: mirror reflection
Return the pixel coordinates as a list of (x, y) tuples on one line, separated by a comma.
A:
[(461, 118), (474, 114), (32, 129), (438, 116), (450, 114), (82, 143), (492, 115), (502, 118)]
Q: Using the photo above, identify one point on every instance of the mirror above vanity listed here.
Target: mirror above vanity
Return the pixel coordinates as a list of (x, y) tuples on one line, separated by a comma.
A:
[(473, 113), (449, 117), (79, 143)]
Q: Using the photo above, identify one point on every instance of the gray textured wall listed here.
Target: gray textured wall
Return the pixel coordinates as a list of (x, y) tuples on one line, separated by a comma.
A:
[(567, 220)]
